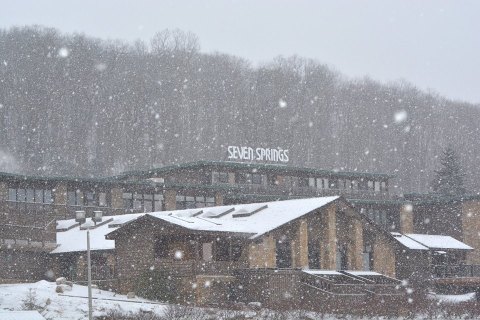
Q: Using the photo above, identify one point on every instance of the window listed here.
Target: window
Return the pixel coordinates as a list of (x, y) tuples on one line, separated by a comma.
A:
[(75, 198), (90, 199), (127, 200), (102, 199), (272, 180), (283, 253), (313, 253), (159, 204), (303, 182), (207, 251), (30, 195), (39, 196), (47, 196), (12, 194), (370, 185), (190, 202), (256, 178), (367, 257), (21, 195), (377, 216), (146, 202), (222, 250), (249, 178), (161, 248), (341, 256), (311, 182), (220, 177), (377, 186)]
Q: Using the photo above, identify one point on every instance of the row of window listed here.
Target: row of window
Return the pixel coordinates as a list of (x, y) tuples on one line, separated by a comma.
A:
[(311, 182), (190, 202), (377, 216), (146, 202), (30, 195), (87, 198), (219, 250)]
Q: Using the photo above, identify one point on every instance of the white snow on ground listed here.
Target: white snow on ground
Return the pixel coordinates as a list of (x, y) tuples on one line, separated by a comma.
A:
[(453, 298), (21, 315), (63, 307)]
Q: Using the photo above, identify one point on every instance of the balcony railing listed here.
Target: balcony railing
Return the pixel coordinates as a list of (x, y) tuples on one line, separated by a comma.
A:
[(456, 271)]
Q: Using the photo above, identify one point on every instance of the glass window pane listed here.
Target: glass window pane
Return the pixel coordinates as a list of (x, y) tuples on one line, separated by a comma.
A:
[(148, 196), (47, 196), (102, 199), (21, 195), (12, 194), (148, 206), (159, 197), (30, 195), (38, 195), (158, 205), (127, 195), (137, 204), (71, 198)]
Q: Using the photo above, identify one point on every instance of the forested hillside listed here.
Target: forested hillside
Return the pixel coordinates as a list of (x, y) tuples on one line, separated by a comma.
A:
[(74, 105)]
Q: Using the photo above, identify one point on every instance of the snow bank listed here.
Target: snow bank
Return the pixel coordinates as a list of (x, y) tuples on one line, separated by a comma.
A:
[(73, 304)]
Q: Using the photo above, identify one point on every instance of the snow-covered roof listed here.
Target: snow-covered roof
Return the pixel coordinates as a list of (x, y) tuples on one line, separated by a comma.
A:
[(439, 242), (319, 272), (408, 242), (429, 242), (253, 219), (75, 238)]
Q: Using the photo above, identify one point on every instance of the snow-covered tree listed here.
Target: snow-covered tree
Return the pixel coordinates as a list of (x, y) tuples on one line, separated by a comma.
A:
[(449, 179)]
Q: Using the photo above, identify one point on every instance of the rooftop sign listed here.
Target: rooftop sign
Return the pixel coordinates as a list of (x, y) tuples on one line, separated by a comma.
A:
[(258, 154)]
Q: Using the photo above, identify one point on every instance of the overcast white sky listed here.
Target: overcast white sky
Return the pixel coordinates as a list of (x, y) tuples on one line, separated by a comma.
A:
[(432, 43)]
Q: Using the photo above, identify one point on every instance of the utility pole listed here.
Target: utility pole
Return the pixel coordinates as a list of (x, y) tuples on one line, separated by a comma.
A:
[(89, 272)]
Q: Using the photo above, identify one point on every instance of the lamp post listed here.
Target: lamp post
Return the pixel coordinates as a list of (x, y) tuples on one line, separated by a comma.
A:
[(80, 217)]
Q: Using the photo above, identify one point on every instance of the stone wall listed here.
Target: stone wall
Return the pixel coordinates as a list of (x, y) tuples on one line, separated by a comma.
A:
[(471, 229)]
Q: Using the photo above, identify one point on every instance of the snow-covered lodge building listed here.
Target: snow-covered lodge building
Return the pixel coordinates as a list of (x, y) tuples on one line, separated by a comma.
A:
[(220, 214)]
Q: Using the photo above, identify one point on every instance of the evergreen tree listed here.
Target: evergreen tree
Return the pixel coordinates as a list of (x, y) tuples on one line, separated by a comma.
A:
[(449, 179)]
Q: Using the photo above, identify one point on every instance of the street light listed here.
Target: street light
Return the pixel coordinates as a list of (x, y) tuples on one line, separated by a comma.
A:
[(80, 217)]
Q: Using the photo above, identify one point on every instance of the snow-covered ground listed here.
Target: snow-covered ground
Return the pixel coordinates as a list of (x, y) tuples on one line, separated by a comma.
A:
[(73, 305), (457, 298), (63, 306)]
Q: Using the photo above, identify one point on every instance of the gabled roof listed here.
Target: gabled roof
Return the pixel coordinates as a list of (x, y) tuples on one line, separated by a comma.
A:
[(250, 220), (245, 220)]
